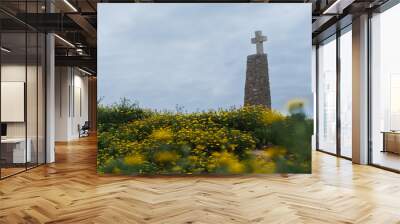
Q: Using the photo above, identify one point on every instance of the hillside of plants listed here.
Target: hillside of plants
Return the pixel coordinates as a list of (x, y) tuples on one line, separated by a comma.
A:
[(251, 139)]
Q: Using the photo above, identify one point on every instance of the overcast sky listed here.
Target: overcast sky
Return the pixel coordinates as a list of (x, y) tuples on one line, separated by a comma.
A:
[(194, 55)]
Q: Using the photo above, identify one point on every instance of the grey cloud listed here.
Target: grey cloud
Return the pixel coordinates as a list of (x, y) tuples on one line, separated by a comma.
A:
[(194, 55)]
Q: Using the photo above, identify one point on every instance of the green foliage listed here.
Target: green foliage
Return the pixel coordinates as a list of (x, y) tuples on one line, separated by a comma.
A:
[(251, 139), (294, 134), (119, 113)]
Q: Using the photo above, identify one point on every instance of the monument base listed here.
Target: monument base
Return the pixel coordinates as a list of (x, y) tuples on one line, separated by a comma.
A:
[(257, 89)]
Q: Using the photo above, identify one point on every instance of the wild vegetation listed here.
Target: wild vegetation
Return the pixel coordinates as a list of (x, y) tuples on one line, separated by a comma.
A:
[(251, 139)]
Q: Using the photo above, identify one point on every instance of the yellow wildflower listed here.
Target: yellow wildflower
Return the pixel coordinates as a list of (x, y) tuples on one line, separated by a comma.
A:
[(235, 166), (162, 134), (274, 151), (271, 116), (262, 166), (226, 160), (165, 156), (134, 160)]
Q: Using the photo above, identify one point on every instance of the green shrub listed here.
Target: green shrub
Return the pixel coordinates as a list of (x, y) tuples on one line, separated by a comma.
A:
[(111, 116), (138, 141)]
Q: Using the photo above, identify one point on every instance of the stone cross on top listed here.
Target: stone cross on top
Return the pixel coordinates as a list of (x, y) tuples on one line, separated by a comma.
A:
[(258, 40)]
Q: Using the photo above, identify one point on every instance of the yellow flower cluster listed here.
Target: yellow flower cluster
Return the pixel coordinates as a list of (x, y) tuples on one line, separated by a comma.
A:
[(166, 157), (162, 134), (262, 166), (225, 160), (271, 116), (135, 159), (274, 151), (224, 141)]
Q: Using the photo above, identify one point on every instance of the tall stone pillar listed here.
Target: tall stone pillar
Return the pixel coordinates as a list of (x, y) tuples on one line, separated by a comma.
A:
[(257, 90)]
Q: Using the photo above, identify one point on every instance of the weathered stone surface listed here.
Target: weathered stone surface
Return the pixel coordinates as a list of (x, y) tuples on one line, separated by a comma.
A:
[(257, 89)]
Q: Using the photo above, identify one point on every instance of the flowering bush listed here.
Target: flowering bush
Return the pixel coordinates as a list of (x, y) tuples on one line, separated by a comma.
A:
[(251, 139), (119, 113)]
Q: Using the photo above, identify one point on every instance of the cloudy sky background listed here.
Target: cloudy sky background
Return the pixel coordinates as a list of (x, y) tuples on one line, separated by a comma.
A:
[(194, 55)]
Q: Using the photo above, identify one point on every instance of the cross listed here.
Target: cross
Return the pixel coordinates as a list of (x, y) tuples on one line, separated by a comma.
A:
[(258, 40)]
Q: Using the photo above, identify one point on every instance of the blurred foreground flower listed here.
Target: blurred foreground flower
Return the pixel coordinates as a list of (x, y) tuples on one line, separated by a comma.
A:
[(295, 106)]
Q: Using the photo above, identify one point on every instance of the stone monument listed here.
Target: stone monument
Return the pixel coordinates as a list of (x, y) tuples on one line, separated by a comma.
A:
[(257, 90)]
